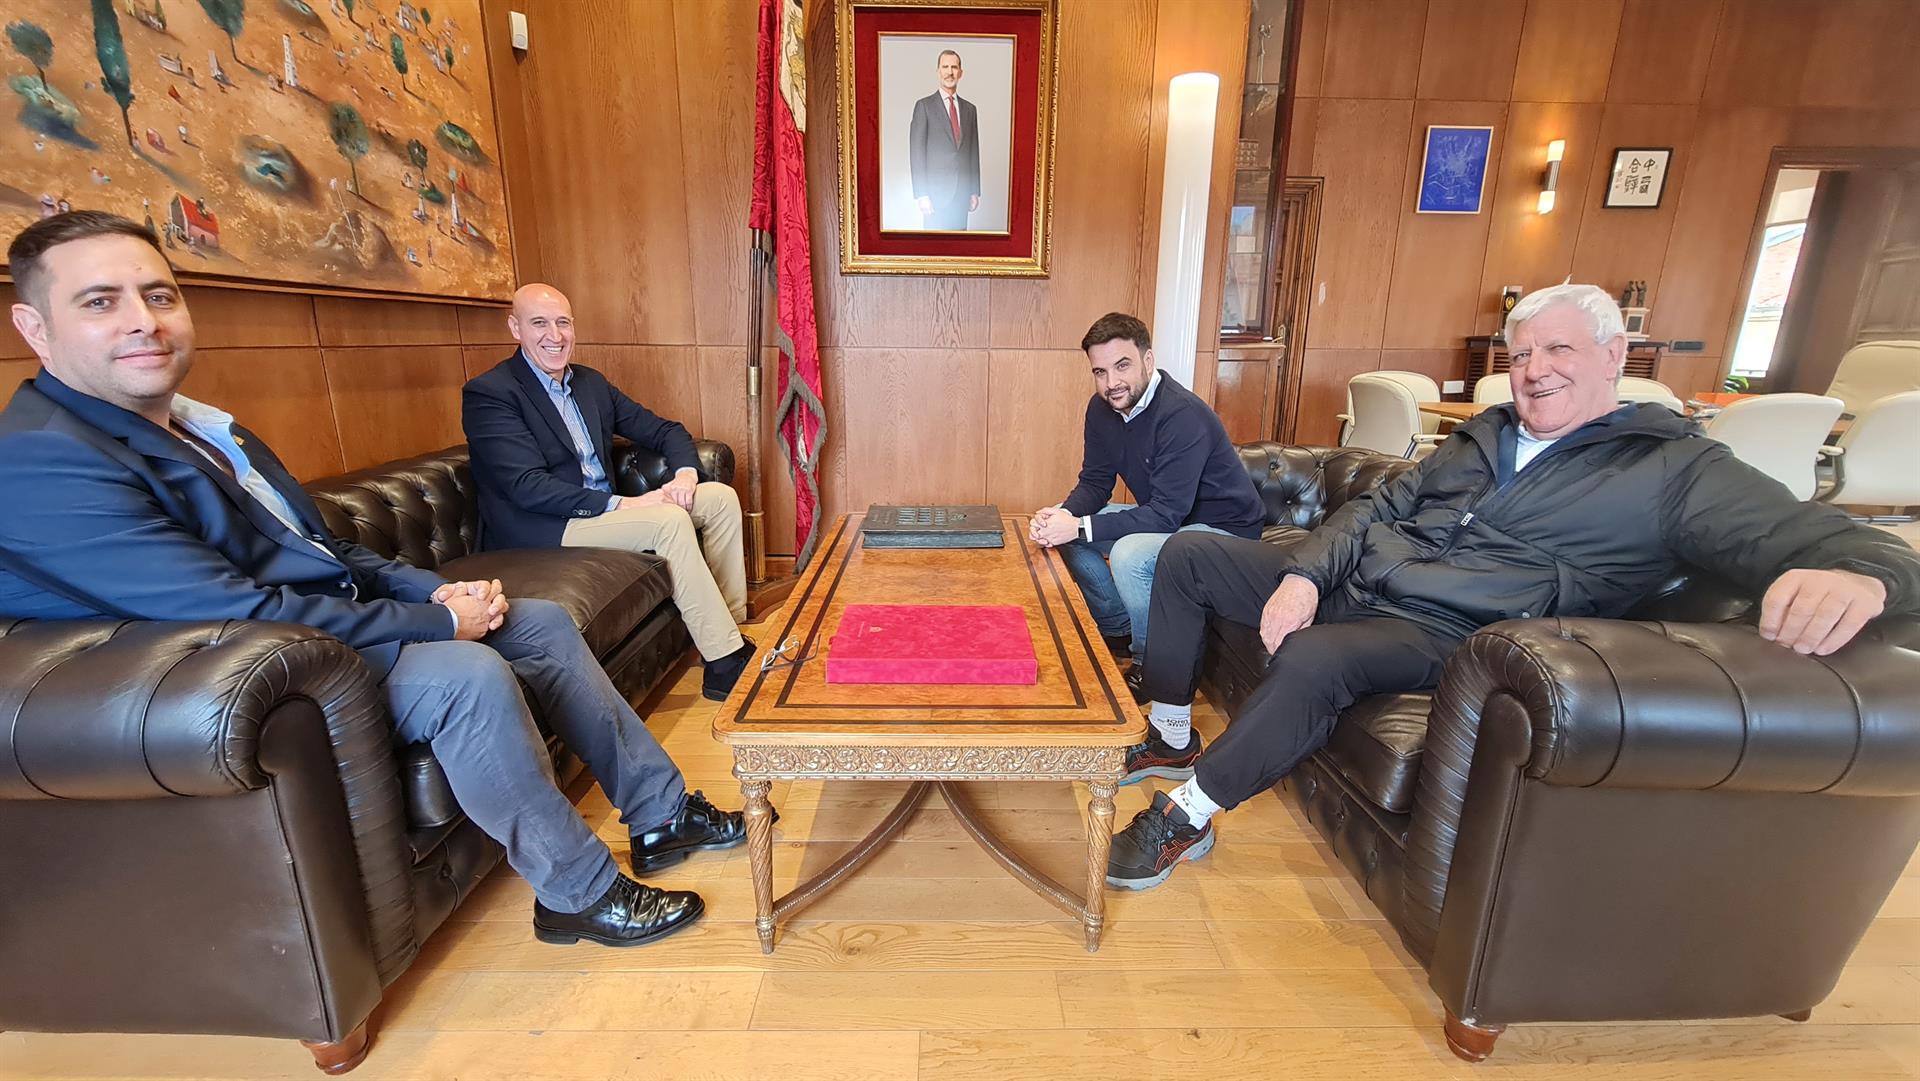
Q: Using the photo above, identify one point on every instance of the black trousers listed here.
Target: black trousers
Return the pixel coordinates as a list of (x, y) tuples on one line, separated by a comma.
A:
[(1318, 671)]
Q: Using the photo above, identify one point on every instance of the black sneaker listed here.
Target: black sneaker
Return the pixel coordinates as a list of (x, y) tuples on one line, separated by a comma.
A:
[(1137, 684), (1120, 645), (1155, 758), (1144, 853), (724, 672)]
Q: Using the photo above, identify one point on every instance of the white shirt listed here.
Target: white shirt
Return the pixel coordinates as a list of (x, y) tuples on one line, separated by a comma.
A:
[(1527, 448), (1126, 417)]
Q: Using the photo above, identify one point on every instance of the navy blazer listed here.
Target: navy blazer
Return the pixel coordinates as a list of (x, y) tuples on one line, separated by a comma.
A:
[(109, 516), (524, 463)]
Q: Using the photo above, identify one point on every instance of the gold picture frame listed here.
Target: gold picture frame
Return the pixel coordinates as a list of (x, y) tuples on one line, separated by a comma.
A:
[(993, 217)]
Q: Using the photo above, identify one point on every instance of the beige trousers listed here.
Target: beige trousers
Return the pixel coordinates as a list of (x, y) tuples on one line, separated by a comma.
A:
[(703, 553)]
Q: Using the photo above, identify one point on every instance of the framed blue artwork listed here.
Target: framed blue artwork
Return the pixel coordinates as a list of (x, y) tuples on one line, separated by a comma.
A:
[(1453, 173)]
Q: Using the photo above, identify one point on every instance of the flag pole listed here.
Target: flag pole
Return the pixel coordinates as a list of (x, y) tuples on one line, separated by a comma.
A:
[(756, 316)]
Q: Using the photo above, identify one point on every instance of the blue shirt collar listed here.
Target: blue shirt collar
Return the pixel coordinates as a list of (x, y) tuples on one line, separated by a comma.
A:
[(562, 385)]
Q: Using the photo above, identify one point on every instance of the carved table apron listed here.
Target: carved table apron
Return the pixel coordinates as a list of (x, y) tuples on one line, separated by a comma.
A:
[(1075, 723)]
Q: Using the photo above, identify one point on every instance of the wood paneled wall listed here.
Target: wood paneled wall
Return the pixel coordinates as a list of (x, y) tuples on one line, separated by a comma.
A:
[(627, 137), (332, 383), (639, 125), (1723, 82)]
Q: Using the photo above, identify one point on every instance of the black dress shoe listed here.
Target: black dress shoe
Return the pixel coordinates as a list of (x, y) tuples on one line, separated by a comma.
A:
[(1137, 684), (699, 827), (628, 914), (724, 672)]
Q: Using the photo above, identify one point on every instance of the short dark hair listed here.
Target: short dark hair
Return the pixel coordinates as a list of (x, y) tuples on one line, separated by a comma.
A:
[(944, 53), (1117, 326), (24, 255)]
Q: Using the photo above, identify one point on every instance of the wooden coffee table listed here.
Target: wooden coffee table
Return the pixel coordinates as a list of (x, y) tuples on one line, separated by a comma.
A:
[(789, 723)]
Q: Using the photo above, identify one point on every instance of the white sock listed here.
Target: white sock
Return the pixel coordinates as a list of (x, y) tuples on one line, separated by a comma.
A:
[(1198, 805), (1174, 723)]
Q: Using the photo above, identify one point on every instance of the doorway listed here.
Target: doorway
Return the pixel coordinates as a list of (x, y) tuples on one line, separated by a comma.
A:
[(1834, 261)]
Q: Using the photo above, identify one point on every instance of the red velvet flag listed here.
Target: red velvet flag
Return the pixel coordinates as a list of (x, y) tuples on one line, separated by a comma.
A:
[(932, 643), (780, 208)]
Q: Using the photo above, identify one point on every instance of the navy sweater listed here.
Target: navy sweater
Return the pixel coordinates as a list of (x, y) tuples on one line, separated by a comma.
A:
[(1176, 459)]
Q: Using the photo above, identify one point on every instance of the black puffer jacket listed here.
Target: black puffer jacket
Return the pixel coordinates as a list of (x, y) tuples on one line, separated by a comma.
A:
[(1596, 521)]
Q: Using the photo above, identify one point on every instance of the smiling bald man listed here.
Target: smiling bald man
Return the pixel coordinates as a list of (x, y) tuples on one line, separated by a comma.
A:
[(540, 428)]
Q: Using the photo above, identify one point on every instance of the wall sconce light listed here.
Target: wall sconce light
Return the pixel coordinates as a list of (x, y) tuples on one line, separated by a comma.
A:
[(1183, 222), (1556, 150)]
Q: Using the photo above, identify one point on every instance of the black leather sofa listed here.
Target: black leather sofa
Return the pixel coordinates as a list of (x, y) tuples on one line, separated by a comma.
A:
[(208, 827), (1602, 820)]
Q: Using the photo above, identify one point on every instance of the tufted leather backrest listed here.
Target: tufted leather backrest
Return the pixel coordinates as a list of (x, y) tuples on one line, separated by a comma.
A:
[(1300, 486), (418, 510), (423, 511)]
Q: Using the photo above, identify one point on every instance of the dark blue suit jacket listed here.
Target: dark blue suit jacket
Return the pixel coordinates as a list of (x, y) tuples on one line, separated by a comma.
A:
[(108, 516), (524, 464)]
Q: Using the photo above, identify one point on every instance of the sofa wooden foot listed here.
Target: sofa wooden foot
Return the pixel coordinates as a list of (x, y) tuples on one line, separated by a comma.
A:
[(1799, 1015), (1470, 1041), (342, 1055)]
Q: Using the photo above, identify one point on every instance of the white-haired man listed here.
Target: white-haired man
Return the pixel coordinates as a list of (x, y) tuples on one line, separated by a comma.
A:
[(1563, 502)]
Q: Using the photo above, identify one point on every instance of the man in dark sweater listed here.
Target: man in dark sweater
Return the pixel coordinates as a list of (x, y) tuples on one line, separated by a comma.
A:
[(1173, 453), (1563, 503)]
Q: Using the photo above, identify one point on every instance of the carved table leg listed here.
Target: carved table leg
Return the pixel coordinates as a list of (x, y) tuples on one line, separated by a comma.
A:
[(343, 1055), (760, 855), (1471, 1041), (1099, 840)]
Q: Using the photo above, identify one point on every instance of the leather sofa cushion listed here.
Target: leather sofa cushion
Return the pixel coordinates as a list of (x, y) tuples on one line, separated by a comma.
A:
[(607, 592), (1377, 745)]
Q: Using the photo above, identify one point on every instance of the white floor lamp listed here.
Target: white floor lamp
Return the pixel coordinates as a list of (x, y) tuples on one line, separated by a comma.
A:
[(1191, 101)]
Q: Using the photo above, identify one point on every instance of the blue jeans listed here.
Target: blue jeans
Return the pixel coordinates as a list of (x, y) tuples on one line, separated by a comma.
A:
[(1116, 578), (463, 700)]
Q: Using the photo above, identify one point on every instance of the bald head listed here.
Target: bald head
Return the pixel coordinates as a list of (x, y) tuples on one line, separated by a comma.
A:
[(542, 322)]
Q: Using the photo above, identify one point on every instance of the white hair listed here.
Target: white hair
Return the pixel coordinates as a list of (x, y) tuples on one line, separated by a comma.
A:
[(1602, 312)]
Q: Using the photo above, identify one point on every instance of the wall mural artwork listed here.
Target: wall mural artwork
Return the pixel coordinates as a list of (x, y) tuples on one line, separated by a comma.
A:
[(339, 143)]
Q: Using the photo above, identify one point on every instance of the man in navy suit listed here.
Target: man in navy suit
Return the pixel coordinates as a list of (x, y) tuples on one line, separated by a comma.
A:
[(127, 500), (540, 429), (944, 151)]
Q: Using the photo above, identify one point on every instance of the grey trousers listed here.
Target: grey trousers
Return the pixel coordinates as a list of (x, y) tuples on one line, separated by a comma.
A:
[(463, 699)]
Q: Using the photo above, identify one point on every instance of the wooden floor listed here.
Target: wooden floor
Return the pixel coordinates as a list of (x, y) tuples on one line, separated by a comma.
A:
[(1262, 960)]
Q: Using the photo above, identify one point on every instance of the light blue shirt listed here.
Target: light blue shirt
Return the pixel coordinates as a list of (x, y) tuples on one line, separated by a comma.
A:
[(560, 391), (216, 427)]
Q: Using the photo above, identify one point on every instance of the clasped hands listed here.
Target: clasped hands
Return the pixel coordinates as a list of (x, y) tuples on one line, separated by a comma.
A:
[(481, 607), (1052, 527), (679, 491)]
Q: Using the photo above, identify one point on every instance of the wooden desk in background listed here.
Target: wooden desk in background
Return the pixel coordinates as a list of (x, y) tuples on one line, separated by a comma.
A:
[(1074, 724)]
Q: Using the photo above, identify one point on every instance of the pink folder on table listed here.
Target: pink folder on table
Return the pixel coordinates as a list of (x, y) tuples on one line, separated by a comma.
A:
[(932, 643)]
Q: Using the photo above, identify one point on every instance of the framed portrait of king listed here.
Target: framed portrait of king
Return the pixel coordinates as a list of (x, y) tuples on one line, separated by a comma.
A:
[(946, 111)]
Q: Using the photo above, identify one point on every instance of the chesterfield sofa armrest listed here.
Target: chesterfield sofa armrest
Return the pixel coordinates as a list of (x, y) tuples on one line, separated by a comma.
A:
[(100, 709), (1696, 706), (1554, 738)]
